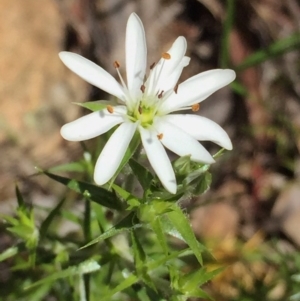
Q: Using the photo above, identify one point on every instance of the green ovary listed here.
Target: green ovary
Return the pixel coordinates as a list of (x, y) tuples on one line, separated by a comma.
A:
[(144, 113)]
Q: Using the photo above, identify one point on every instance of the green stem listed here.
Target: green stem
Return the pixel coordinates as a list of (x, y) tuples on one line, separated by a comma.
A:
[(87, 238), (228, 24), (82, 288), (129, 183)]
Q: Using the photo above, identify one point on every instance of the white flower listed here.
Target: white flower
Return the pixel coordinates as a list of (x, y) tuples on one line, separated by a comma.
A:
[(145, 105)]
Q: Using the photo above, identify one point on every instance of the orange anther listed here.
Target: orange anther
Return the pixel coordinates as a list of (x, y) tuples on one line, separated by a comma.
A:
[(110, 109), (195, 107), (116, 64), (166, 56), (160, 136)]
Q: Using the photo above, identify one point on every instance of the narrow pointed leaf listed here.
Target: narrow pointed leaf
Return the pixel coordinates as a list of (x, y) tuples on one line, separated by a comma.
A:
[(47, 222), (131, 200), (160, 235), (128, 282), (197, 278), (182, 225), (20, 199), (140, 261), (8, 253), (69, 167), (91, 192), (129, 222), (143, 175), (152, 265), (86, 267), (275, 49), (203, 184)]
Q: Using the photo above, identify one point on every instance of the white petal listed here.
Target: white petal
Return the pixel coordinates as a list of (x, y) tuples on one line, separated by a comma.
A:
[(200, 128), (92, 125), (92, 73), (113, 152), (136, 54), (158, 159), (181, 143), (197, 88), (165, 67), (171, 81)]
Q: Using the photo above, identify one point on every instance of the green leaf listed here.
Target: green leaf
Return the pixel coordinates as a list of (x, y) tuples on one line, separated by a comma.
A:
[(194, 175), (189, 284), (126, 283), (162, 261), (203, 184), (126, 224), (227, 28), (20, 199), (8, 253), (97, 105), (131, 200), (86, 267), (198, 292), (182, 225), (47, 222), (196, 278), (69, 167), (160, 235), (89, 191), (9, 219), (277, 48), (143, 175), (182, 165), (140, 261), (153, 264)]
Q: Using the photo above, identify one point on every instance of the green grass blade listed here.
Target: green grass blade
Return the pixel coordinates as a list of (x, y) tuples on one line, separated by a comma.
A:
[(277, 48)]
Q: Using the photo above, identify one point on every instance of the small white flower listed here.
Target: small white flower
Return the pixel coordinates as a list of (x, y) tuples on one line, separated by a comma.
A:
[(145, 105)]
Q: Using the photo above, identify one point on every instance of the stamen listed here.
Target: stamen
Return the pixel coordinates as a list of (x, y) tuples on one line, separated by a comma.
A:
[(152, 66), (117, 67), (143, 88), (176, 88), (195, 107), (160, 136), (140, 109), (160, 95), (116, 64), (166, 56), (110, 109)]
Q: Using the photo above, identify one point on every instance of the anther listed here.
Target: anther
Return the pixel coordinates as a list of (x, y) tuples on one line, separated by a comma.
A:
[(166, 56), (152, 66), (140, 109), (143, 88), (176, 88), (110, 109), (116, 64), (160, 136), (195, 107), (160, 95)]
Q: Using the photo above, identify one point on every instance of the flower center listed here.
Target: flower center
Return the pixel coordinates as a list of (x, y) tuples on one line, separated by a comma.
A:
[(145, 110)]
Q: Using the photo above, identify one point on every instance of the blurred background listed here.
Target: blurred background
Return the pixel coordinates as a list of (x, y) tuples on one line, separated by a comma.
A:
[(250, 218)]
